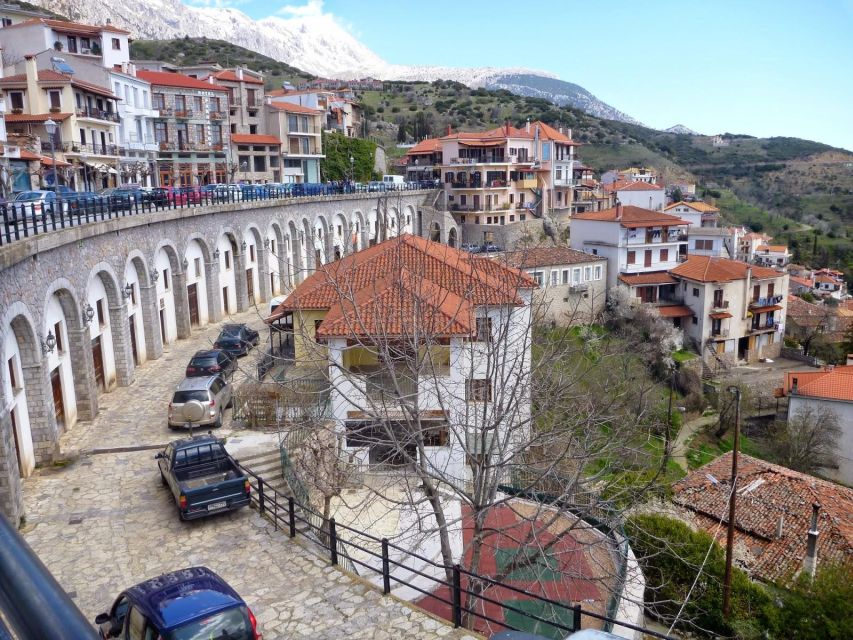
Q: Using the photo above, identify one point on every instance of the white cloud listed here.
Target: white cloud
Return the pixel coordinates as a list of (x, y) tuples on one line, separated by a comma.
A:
[(311, 9)]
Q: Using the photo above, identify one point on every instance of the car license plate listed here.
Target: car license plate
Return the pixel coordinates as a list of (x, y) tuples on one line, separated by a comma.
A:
[(217, 505)]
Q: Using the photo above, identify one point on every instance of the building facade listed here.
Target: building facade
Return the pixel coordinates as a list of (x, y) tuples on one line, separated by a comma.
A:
[(300, 131), (190, 130), (646, 195)]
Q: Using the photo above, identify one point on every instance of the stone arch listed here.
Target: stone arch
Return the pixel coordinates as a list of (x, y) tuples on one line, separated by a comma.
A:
[(372, 227), (231, 288), (195, 262), (341, 236), (306, 241), (435, 232), (321, 240), (275, 257), (141, 310), (24, 393), (253, 264), (451, 237), (173, 310), (70, 369), (108, 333), (295, 256), (408, 219), (357, 230)]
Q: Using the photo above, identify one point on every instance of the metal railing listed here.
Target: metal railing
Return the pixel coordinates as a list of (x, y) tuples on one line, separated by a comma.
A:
[(31, 600), (286, 513), (22, 220)]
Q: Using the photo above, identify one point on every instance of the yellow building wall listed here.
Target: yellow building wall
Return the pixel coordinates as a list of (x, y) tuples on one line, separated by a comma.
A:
[(306, 348)]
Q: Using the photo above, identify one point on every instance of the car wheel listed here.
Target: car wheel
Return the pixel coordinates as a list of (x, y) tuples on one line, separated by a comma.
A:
[(218, 423), (230, 404), (163, 479)]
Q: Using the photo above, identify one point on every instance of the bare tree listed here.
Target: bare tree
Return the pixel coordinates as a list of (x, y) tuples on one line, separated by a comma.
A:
[(808, 441), (453, 410)]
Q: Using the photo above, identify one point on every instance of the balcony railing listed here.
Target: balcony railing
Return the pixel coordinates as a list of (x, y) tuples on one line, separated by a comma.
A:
[(720, 305), (99, 114), (303, 130), (91, 148), (217, 115), (185, 113), (766, 302), (722, 333)]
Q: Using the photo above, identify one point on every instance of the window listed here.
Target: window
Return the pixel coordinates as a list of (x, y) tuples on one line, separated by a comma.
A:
[(182, 134), (133, 294), (199, 133), (136, 97), (756, 292), (695, 292), (216, 134), (664, 255), (161, 132), (227, 259), (180, 103), (16, 98), (632, 257), (116, 44), (576, 275), (317, 324), (647, 258), (478, 390), (166, 279), (214, 103), (435, 436), (198, 104), (102, 317), (587, 274), (57, 332), (598, 272), (484, 330), (251, 253), (159, 101), (695, 320), (554, 277), (771, 288), (55, 101), (197, 263), (565, 276), (537, 276)]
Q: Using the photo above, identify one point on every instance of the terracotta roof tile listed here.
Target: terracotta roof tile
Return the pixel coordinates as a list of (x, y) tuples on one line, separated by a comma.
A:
[(710, 269), (698, 205), (640, 279), (294, 108), (229, 75), (32, 118), (411, 273), (70, 27), (834, 383), (766, 493), (779, 248), (430, 145), (168, 79), (253, 138), (675, 311), (548, 256), (633, 217)]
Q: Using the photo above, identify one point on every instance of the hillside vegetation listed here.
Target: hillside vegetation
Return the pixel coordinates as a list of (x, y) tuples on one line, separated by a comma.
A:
[(799, 191)]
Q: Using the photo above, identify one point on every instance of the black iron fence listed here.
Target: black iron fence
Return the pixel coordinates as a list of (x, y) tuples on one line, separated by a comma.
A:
[(481, 602), (21, 219)]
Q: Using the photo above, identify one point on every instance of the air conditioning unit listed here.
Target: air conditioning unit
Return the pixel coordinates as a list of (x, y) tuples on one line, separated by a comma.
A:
[(579, 287), (85, 50)]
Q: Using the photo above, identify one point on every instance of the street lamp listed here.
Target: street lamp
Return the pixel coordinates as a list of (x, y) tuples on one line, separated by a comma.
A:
[(244, 167), (50, 127), (88, 314), (48, 344), (351, 169)]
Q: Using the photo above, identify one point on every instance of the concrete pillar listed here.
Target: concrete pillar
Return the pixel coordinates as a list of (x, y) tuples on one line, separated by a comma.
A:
[(214, 291), (182, 305), (240, 281), (149, 307), (84, 372), (120, 329), (263, 275), (11, 498), (43, 428)]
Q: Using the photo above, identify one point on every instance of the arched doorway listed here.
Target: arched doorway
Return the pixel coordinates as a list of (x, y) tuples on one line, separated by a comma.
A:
[(224, 254), (165, 267), (195, 258), (102, 301), (451, 237), (20, 354), (134, 278)]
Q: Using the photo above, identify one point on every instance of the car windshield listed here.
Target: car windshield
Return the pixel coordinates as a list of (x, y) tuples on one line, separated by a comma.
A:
[(231, 331), (232, 624), (203, 361), (182, 397), (28, 196)]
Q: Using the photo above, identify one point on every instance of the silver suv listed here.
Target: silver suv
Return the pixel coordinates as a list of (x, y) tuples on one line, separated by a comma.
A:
[(214, 394)]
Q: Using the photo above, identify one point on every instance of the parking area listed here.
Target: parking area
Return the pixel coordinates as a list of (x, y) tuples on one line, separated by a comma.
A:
[(101, 521)]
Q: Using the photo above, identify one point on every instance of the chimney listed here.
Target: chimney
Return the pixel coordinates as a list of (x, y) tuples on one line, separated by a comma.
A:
[(31, 70), (506, 127), (810, 561), (780, 524), (618, 210), (449, 130), (211, 80), (850, 359), (527, 126), (569, 134), (239, 73)]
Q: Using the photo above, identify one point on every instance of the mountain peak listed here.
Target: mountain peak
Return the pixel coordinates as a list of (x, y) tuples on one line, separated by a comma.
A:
[(680, 129)]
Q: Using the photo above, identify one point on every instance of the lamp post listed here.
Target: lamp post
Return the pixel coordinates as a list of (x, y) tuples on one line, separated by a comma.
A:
[(50, 127), (83, 157), (351, 169)]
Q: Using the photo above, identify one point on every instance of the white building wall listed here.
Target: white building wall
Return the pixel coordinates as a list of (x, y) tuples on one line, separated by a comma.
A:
[(227, 278), (134, 311), (16, 402), (166, 296), (61, 359), (844, 449), (196, 275), (96, 293), (653, 200)]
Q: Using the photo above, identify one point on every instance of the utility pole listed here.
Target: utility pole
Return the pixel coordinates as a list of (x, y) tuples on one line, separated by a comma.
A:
[(667, 451), (730, 534)]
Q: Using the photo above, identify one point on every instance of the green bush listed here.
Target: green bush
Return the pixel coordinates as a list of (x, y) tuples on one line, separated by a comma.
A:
[(822, 610)]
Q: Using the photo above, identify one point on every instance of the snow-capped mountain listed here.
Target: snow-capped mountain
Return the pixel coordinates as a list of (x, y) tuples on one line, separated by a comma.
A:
[(314, 42), (680, 129)]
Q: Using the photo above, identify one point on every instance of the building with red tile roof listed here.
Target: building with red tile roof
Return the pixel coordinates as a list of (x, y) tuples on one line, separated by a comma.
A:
[(697, 213), (300, 130), (423, 161), (355, 318), (827, 389), (773, 516)]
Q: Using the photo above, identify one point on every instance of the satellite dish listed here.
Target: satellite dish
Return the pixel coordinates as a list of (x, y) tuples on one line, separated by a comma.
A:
[(193, 411)]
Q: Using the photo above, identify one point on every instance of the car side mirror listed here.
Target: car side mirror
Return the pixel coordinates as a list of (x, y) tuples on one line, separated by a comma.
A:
[(101, 618), (159, 456)]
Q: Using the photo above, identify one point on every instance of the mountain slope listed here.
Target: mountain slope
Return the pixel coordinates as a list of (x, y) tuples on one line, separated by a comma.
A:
[(316, 44)]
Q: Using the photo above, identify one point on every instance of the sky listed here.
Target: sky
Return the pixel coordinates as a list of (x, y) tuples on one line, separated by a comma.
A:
[(758, 67)]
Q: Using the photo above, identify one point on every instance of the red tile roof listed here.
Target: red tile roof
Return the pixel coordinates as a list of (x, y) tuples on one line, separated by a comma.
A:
[(403, 282), (804, 282), (499, 135), (51, 76), (229, 75), (548, 257), (675, 311), (641, 279), (70, 27), (638, 185), (168, 79), (830, 384), (253, 138), (33, 118), (767, 493), (779, 248), (710, 269), (294, 108), (633, 217), (430, 145), (698, 205)]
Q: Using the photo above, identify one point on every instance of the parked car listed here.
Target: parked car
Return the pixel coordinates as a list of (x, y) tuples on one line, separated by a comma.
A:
[(252, 191), (211, 362), (214, 394), (189, 195), (393, 182), (471, 248), (62, 190), (203, 478), (188, 604), (488, 247), (375, 185), (237, 339), (39, 203), (227, 193), (157, 196)]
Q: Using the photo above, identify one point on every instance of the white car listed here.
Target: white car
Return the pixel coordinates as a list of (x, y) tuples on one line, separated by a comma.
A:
[(28, 203)]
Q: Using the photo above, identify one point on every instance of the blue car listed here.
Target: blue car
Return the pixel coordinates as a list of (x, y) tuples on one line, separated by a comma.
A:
[(187, 604)]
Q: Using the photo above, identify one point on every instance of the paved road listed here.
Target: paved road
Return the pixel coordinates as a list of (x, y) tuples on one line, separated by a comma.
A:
[(104, 521)]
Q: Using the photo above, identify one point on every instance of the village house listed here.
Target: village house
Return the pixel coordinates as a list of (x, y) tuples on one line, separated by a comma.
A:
[(778, 511), (572, 284), (300, 131), (342, 114), (423, 161), (830, 283), (749, 243), (772, 255), (192, 139), (738, 310), (697, 213), (631, 174), (588, 193), (359, 323), (13, 14), (638, 193)]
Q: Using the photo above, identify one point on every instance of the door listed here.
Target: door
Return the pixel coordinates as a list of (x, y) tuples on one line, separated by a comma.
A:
[(58, 404), (163, 326), (98, 360), (13, 415), (250, 286), (647, 262), (476, 203), (225, 308), (132, 326), (192, 295)]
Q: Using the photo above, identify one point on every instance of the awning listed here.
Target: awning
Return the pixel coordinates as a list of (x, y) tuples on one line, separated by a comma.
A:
[(773, 307), (47, 161), (641, 279), (104, 168), (675, 311), (721, 316)]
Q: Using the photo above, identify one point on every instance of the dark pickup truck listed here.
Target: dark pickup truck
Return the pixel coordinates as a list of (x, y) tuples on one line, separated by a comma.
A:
[(202, 476)]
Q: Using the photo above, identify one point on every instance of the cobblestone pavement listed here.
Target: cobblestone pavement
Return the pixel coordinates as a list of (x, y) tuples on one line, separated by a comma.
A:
[(103, 522)]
